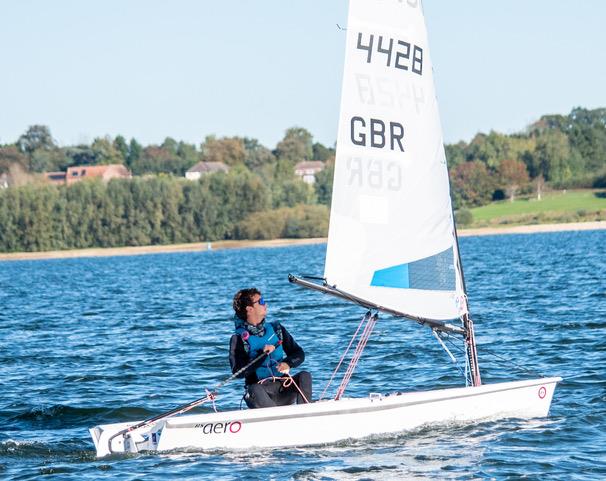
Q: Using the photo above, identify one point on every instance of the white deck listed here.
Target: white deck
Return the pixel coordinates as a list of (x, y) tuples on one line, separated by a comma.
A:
[(331, 421)]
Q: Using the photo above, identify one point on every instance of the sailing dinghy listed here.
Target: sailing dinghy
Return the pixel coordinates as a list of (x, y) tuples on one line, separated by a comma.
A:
[(392, 248)]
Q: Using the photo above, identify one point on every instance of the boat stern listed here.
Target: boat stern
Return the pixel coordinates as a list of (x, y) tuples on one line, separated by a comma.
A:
[(112, 438), (95, 434), (105, 443)]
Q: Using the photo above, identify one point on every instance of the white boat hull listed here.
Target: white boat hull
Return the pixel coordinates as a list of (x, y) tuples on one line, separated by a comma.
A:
[(331, 421)]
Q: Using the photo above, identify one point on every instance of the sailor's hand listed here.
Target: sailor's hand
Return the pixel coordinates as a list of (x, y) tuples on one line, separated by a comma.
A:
[(268, 348), (283, 368)]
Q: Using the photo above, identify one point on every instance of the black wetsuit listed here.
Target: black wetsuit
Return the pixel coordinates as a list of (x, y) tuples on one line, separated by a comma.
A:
[(270, 393)]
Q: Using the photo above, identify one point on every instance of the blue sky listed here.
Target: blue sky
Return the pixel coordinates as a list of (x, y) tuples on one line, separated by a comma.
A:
[(190, 68)]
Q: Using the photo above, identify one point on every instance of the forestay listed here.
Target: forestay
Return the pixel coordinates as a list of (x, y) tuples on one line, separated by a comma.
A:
[(391, 238)]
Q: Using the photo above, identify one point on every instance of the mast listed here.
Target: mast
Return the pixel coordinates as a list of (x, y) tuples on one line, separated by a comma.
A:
[(470, 338)]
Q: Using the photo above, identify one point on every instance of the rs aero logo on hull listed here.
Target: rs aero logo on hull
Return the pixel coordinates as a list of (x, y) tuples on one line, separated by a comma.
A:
[(231, 427)]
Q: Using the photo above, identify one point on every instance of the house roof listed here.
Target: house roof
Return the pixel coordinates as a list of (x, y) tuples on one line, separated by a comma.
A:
[(96, 170), (204, 167), (315, 165)]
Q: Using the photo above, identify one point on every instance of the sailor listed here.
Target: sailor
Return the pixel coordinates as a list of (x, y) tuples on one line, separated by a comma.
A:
[(268, 381)]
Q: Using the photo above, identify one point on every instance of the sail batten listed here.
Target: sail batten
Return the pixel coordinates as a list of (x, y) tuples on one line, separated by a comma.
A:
[(391, 237)]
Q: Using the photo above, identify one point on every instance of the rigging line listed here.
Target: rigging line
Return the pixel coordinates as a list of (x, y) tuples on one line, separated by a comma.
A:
[(531, 371), (454, 360), (334, 373), (357, 353), (457, 347), (446, 337), (467, 371), (509, 361)]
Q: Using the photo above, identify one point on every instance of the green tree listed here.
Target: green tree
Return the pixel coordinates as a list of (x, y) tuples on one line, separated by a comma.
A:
[(121, 146), (135, 149), (105, 152), (292, 192), (307, 221), (552, 155), (47, 160), (188, 153), (171, 145), (287, 222), (456, 153), (10, 155), (229, 150), (80, 155), (320, 152), (37, 137), (296, 146), (323, 184), (155, 159), (258, 157)]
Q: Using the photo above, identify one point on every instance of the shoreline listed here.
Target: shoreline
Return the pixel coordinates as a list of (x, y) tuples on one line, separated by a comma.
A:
[(242, 244)]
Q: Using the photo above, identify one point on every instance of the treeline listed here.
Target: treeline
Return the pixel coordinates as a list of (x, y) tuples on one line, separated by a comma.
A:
[(559, 151), (148, 211), (260, 197), (36, 151)]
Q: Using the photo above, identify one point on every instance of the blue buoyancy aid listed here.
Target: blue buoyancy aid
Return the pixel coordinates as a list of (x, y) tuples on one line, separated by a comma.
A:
[(256, 344)]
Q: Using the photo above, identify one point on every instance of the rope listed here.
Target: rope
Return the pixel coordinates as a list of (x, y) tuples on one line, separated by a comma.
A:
[(290, 380), (334, 373), (504, 359), (356, 356), (287, 380), (212, 398), (522, 368)]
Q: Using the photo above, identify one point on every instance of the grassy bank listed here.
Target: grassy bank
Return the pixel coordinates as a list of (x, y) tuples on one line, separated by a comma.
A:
[(554, 207)]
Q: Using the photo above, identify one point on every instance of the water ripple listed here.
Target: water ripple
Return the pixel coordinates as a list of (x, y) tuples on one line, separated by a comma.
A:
[(100, 340)]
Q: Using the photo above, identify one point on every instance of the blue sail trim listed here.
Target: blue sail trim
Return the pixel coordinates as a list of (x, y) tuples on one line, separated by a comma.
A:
[(396, 276), (434, 273)]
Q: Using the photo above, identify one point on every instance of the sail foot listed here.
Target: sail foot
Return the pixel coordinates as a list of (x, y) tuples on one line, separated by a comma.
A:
[(333, 291)]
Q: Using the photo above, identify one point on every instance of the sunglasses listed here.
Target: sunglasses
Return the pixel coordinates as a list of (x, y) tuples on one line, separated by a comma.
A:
[(261, 302)]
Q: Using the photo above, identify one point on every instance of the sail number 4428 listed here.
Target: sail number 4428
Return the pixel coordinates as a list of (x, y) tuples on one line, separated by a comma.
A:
[(396, 53)]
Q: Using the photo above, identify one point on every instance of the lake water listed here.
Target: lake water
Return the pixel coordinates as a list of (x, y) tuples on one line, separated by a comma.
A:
[(99, 340)]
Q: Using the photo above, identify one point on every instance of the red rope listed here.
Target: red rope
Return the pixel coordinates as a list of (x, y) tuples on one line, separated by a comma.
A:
[(357, 354), (289, 381), (286, 381), (212, 398), (334, 373)]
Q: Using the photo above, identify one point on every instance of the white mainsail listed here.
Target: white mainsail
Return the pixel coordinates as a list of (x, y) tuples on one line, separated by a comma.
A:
[(391, 238)]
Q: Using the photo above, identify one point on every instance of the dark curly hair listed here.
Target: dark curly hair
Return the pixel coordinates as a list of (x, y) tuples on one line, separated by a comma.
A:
[(243, 299)]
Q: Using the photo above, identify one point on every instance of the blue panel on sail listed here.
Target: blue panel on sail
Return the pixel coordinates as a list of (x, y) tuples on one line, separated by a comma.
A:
[(434, 273), (396, 276)]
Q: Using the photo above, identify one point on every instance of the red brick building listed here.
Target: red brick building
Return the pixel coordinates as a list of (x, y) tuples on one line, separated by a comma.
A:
[(81, 172)]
